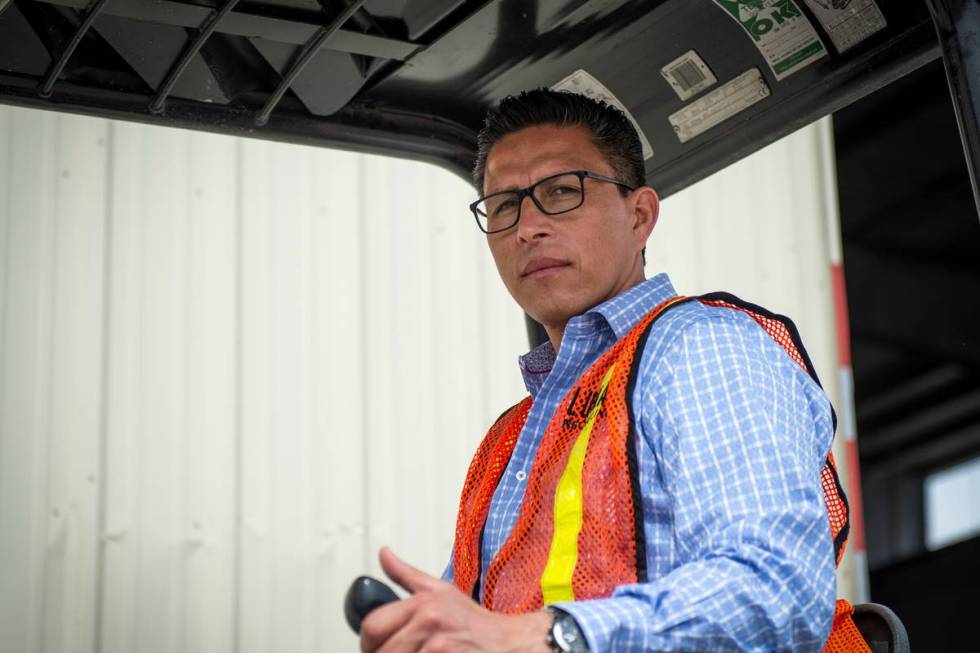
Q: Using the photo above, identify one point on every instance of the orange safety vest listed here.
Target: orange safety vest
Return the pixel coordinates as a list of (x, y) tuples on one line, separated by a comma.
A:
[(579, 533)]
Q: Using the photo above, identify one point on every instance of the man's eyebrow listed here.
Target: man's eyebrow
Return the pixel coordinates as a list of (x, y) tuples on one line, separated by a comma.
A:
[(536, 179), (499, 190)]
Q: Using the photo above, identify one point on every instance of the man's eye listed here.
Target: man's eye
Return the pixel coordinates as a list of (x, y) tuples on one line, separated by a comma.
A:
[(563, 191), (507, 206)]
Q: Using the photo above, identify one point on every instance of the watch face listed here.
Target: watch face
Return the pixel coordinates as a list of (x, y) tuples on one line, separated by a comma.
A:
[(567, 635)]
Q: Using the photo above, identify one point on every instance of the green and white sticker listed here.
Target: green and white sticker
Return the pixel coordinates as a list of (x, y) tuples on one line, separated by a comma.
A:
[(779, 29)]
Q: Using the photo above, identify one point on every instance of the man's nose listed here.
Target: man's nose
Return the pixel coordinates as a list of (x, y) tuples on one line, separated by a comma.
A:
[(533, 223)]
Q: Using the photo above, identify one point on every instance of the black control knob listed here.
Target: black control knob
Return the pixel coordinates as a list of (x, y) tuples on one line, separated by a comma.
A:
[(365, 594)]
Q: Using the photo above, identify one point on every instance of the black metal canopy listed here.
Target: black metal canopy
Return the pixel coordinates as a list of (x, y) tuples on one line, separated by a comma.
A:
[(413, 78)]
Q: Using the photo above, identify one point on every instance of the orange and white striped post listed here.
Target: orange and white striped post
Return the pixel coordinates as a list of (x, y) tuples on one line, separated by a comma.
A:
[(853, 573)]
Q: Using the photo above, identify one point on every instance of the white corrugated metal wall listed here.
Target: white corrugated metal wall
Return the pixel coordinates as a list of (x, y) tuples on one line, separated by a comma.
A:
[(230, 370)]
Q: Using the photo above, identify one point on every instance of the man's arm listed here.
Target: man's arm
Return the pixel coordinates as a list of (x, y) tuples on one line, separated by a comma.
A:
[(742, 438)]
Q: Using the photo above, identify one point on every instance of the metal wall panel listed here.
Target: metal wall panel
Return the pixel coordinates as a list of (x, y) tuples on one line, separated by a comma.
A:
[(230, 370), (195, 329)]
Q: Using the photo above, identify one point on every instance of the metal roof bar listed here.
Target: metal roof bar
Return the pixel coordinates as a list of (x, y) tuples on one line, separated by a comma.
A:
[(205, 32), (412, 135), (95, 8), (958, 26), (305, 56), (250, 25)]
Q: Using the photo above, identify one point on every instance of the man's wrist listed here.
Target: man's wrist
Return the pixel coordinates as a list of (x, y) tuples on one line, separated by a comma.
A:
[(527, 632)]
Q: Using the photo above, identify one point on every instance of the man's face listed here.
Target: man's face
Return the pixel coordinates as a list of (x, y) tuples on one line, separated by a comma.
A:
[(557, 267)]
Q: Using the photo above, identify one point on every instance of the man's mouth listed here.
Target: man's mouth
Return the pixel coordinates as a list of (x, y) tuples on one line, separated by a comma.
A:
[(542, 266)]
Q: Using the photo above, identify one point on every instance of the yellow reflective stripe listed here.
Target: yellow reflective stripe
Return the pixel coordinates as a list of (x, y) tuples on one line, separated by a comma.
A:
[(556, 581)]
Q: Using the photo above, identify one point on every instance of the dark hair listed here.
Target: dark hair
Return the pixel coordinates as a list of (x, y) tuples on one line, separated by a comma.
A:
[(612, 132)]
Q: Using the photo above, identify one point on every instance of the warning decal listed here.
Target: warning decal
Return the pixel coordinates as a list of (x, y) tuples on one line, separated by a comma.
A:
[(585, 84), (779, 29), (848, 22)]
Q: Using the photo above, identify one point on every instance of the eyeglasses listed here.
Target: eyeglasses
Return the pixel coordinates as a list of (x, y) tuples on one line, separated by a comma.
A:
[(552, 195)]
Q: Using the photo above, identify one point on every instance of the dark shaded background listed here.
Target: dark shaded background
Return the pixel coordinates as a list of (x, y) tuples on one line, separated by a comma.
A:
[(912, 261)]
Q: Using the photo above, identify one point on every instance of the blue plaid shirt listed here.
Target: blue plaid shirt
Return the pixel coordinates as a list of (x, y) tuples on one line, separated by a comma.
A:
[(733, 435)]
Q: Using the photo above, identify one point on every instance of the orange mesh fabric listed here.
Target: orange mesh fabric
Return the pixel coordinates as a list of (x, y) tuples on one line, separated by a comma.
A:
[(609, 545), (837, 510), (773, 326), (607, 542), (482, 477), (607, 534), (844, 635)]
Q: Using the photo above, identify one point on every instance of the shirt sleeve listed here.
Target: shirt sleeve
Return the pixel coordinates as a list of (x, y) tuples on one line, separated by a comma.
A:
[(738, 434), (447, 573)]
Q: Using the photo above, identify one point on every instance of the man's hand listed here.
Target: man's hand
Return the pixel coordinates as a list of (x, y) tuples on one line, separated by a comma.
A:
[(438, 617)]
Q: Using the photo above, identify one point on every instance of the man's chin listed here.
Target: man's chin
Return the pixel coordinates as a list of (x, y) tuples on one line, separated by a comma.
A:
[(552, 317)]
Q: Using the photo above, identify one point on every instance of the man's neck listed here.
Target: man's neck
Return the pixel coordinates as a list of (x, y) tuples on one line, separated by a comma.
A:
[(554, 335), (555, 332)]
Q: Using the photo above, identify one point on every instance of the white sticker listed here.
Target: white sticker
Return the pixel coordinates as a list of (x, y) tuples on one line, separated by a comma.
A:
[(780, 31), (848, 21), (719, 105), (688, 75), (585, 84)]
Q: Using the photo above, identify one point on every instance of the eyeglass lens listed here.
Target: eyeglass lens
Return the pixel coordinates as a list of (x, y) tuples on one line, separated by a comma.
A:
[(554, 195)]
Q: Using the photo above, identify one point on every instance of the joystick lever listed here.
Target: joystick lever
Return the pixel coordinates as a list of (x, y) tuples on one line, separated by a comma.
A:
[(365, 594)]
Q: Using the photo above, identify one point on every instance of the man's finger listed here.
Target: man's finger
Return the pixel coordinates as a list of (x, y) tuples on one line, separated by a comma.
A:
[(383, 622), (403, 573)]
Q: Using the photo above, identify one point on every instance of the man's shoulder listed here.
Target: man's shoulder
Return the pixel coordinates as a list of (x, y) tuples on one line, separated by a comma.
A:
[(687, 319), (707, 327)]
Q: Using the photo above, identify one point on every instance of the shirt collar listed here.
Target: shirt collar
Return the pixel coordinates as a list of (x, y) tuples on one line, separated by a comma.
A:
[(536, 365), (621, 313)]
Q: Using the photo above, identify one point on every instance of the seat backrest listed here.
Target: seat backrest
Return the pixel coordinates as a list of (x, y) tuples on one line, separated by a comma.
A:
[(881, 628)]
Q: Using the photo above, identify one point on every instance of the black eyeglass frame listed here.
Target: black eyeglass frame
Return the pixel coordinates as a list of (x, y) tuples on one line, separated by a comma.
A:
[(529, 192)]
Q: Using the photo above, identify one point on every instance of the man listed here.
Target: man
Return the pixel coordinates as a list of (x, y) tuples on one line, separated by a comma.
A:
[(662, 489)]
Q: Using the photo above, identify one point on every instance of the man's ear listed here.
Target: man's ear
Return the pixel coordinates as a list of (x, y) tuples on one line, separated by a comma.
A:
[(646, 210)]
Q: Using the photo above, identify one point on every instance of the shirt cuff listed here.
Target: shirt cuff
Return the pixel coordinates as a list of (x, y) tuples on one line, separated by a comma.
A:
[(618, 621)]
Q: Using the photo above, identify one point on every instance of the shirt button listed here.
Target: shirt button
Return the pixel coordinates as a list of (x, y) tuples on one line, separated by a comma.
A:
[(521, 475)]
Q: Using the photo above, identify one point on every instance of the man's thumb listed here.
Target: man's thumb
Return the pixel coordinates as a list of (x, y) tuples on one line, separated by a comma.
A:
[(401, 572)]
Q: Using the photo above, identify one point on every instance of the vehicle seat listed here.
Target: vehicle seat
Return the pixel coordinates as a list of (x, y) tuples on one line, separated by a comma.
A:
[(881, 628)]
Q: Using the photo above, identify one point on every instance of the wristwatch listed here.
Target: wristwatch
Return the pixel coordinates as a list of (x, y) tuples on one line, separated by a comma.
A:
[(565, 635)]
